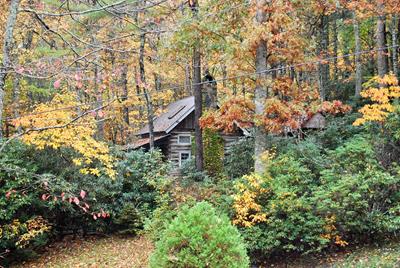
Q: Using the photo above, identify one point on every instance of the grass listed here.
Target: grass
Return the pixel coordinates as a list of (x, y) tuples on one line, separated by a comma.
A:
[(93, 252), (134, 252)]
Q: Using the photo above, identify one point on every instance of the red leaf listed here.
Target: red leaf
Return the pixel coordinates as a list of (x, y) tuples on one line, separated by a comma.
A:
[(20, 70), (44, 197), (100, 114), (57, 84), (8, 194), (83, 194), (76, 200), (94, 216)]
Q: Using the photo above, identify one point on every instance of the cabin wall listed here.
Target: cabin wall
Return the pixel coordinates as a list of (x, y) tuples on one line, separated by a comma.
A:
[(187, 124), (229, 141), (174, 148)]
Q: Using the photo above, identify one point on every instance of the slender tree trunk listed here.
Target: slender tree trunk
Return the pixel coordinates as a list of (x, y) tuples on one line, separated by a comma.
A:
[(198, 98), (260, 93), (224, 76), (125, 92), (395, 44), (188, 85), (153, 46), (383, 64), (7, 45), (357, 57), (149, 105), (157, 82), (16, 98), (335, 42), (99, 99), (323, 68)]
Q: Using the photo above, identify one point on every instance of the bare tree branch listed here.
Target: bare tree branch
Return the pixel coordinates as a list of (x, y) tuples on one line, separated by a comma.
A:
[(78, 13)]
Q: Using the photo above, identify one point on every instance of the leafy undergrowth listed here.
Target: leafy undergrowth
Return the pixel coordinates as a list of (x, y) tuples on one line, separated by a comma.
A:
[(95, 252)]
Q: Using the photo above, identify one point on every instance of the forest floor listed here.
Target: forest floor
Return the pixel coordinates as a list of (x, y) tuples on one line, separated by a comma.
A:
[(114, 251), (121, 252)]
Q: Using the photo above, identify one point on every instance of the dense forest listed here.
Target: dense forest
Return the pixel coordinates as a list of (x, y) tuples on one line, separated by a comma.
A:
[(311, 86)]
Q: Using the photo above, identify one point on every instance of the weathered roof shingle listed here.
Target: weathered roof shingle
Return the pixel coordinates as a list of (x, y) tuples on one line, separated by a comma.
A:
[(175, 113)]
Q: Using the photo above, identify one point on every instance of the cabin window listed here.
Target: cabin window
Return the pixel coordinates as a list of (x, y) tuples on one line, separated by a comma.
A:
[(184, 139), (183, 157)]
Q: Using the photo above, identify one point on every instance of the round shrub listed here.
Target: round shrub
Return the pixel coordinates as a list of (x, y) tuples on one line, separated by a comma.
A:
[(198, 237)]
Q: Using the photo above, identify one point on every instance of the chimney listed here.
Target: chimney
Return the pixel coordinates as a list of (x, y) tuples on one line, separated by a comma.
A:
[(209, 91)]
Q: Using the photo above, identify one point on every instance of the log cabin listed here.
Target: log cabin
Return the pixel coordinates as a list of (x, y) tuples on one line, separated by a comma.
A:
[(174, 132)]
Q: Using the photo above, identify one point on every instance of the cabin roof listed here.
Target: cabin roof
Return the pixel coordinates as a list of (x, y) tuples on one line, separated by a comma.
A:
[(142, 142), (317, 121), (175, 113)]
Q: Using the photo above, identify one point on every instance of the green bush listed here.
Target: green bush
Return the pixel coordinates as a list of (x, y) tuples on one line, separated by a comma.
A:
[(351, 200), (20, 205), (240, 158), (37, 186), (338, 131), (291, 224), (198, 237), (361, 196), (189, 173)]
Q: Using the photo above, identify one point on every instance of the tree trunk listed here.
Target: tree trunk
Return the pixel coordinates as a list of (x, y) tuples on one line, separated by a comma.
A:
[(149, 105), (224, 76), (323, 68), (125, 93), (357, 57), (335, 42), (383, 64), (188, 86), (395, 44), (7, 45), (197, 95), (260, 94), (99, 100)]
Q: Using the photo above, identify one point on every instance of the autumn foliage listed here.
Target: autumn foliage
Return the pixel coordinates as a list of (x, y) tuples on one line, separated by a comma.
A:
[(383, 93)]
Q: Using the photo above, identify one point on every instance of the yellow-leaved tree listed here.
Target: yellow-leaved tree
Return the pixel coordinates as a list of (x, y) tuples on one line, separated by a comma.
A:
[(384, 93), (64, 123)]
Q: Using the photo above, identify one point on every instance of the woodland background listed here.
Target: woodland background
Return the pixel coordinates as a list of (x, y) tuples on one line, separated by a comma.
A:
[(79, 78)]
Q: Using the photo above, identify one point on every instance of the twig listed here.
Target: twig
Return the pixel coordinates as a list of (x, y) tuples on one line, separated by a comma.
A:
[(72, 12), (34, 129)]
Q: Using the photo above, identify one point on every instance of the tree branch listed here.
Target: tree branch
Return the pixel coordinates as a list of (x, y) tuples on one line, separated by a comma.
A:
[(34, 129), (79, 13)]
